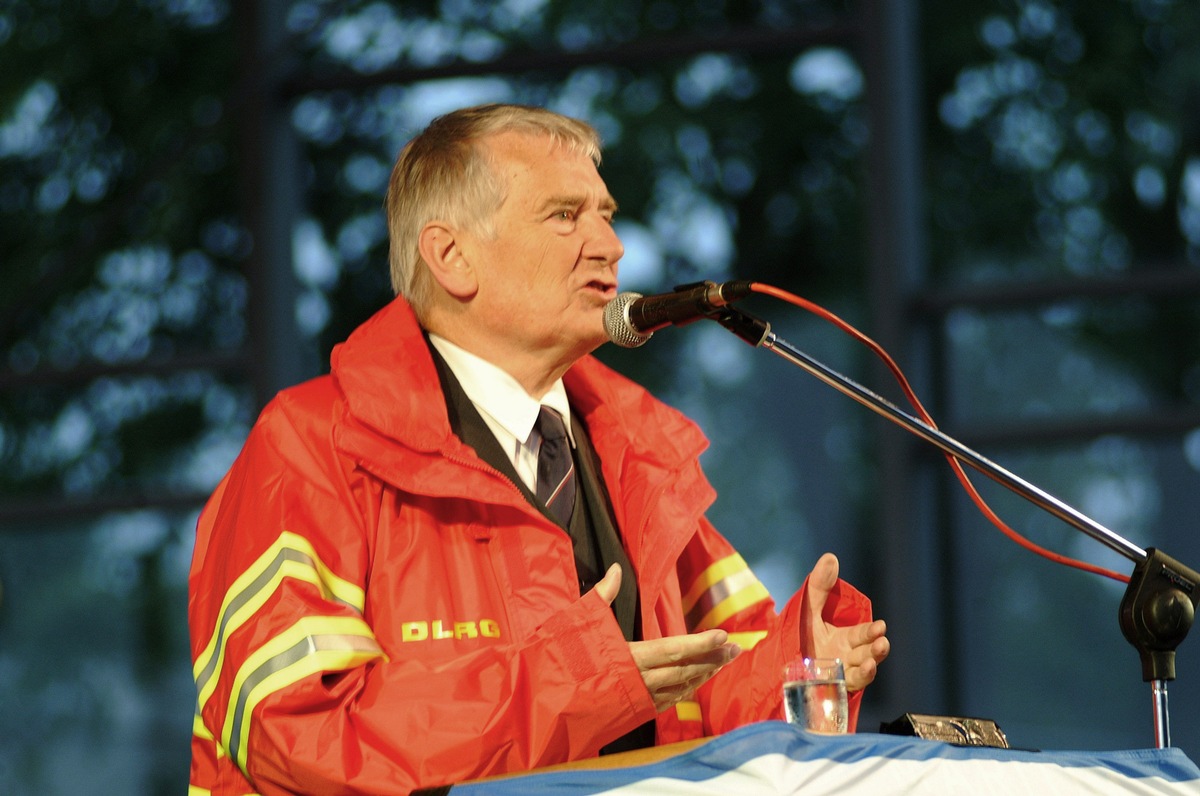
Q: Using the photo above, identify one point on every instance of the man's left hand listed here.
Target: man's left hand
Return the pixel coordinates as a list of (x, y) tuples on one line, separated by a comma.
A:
[(861, 647)]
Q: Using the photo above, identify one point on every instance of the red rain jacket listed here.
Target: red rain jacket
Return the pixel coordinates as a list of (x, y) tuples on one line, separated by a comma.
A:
[(375, 609)]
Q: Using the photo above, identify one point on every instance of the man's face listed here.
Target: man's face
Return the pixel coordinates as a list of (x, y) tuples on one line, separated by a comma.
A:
[(546, 276)]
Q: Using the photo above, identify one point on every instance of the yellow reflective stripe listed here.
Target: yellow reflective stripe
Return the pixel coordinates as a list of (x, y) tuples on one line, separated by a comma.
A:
[(291, 556), (314, 644), (745, 596), (194, 791), (207, 677), (687, 711), (199, 729), (708, 578), (726, 587), (748, 640)]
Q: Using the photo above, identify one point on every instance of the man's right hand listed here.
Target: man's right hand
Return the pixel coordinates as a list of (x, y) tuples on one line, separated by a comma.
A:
[(675, 666)]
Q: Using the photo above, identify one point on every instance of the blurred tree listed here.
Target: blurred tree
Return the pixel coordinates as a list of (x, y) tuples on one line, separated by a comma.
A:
[(1062, 154)]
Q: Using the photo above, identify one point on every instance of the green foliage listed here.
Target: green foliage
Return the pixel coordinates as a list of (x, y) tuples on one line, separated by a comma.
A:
[(120, 223), (1061, 143)]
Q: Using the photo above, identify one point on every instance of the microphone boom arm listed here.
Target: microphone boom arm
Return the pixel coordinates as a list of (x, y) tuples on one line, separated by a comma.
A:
[(767, 339), (1160, 601)]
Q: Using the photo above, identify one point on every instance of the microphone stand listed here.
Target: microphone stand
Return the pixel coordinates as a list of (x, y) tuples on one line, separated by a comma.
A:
[(1160, 601)]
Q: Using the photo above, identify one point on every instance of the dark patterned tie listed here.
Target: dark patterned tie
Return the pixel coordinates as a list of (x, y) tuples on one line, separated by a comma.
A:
[(556, 468)]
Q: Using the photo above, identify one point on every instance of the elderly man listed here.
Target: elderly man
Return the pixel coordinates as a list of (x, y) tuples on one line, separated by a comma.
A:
[(472, 548)]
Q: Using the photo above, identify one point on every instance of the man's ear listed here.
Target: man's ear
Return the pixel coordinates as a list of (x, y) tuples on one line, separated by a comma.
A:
[(440, 248)]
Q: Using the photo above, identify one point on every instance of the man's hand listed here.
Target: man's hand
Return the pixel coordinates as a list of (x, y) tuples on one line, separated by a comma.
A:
[(861, 647), (673, 667)]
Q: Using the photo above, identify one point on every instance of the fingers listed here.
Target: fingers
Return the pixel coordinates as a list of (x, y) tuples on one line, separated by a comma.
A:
[(821, 581), (672, 649), (864, 635), (861, 676), (674, 667), (711, 647), (862, 663), (609, 585), (669, 684)]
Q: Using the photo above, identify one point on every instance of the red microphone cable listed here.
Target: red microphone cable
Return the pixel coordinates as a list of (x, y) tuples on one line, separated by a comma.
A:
[(955, 465)]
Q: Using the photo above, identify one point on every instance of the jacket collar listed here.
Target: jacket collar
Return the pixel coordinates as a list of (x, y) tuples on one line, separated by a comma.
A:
[(387, 378)]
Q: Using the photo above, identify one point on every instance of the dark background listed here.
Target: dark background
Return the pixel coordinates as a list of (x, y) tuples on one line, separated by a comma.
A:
[(1004, 193)]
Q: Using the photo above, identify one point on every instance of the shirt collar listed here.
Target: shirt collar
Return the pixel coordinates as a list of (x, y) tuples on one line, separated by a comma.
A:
[(495, 392)]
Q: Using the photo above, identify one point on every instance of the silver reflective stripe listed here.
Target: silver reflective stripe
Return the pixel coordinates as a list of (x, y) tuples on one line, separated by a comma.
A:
[(244, 597), (305, 647), (716, 593)]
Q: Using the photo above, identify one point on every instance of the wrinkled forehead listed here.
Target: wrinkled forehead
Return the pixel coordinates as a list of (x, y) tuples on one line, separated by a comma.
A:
[(541, 163)]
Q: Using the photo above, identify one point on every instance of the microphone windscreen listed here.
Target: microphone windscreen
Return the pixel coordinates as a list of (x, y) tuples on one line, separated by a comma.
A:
[(617, 324)]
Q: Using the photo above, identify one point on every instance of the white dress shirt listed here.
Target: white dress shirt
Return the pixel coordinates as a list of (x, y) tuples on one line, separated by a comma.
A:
[(504, 405)]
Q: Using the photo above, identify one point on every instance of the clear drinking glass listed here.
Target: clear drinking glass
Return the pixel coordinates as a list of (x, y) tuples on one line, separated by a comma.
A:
[(814, 694)]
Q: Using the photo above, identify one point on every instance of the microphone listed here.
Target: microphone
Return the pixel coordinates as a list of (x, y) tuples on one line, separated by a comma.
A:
[(631, 318)]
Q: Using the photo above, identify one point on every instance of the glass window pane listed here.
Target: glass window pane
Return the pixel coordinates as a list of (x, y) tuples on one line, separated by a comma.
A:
[(1039, 646), (1075, 359), (94, 679)]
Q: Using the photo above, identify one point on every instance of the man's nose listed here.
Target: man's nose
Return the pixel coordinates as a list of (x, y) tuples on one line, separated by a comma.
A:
[(602, 241)]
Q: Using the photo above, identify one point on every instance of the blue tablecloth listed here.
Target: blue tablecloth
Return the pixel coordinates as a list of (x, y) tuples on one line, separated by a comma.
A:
[(774, 758)]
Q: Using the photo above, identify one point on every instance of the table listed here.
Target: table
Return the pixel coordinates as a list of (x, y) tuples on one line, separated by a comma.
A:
[(774, 757)]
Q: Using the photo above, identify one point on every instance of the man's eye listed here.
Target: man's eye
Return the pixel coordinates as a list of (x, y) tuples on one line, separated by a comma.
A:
[(565, 215)]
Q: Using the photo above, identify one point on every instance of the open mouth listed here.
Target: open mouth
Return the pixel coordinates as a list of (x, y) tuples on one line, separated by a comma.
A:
[(606, 289)]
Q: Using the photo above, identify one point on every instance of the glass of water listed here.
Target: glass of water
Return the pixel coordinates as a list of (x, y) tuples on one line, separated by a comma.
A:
[(814, 694)]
